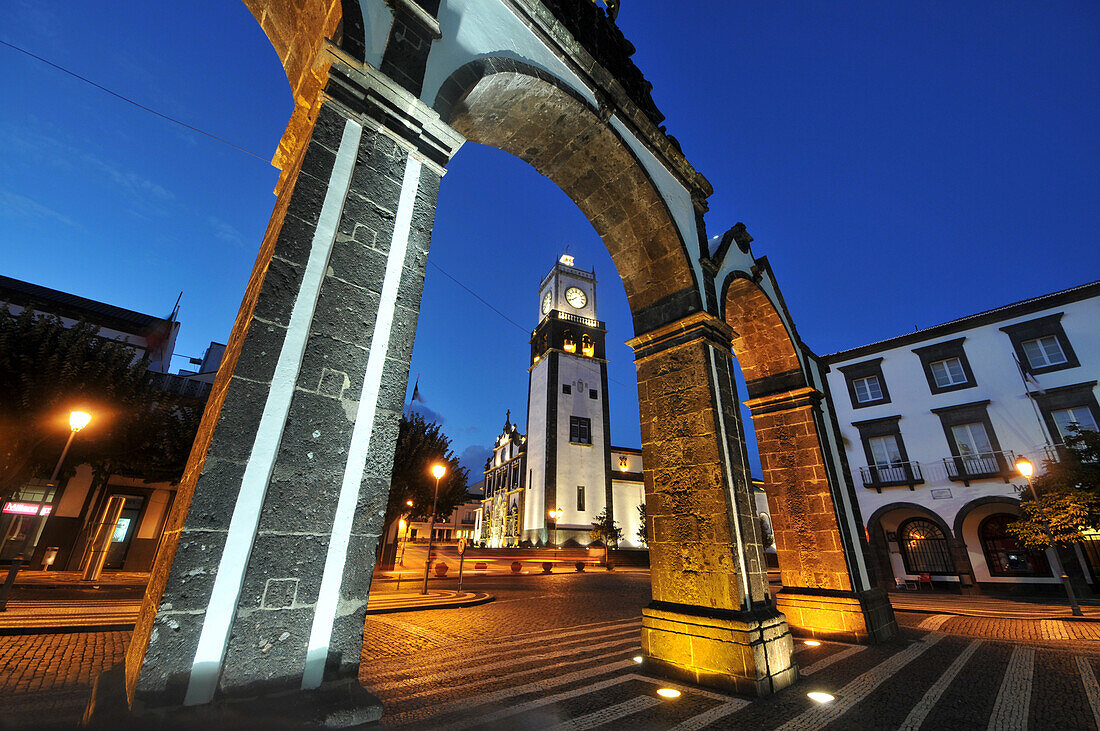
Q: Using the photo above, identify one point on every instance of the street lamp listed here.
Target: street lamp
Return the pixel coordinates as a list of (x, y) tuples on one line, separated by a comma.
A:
[(401, 559), (1027, 469), (556, 515), (438, 470), (77, 421)]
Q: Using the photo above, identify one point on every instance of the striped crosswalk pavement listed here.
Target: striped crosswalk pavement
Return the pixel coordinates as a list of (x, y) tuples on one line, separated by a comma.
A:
[(586, 677)]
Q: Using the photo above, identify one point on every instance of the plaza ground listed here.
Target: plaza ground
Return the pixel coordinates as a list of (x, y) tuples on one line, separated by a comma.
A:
[(556, 651)]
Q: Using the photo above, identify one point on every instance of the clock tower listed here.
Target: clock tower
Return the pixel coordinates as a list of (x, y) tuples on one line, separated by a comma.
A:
[(568, 432)]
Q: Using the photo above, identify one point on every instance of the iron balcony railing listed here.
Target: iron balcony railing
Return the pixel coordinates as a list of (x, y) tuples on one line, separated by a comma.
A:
[(980, 466), (898, 473)]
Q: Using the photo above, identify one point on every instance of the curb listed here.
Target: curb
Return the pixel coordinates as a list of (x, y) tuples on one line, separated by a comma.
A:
[(66, 629), (476, 600), (960, 613)]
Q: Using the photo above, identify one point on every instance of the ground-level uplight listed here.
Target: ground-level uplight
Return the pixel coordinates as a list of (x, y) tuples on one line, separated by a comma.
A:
[(668, 692), (638, 659), (813, 643), (820, 697)]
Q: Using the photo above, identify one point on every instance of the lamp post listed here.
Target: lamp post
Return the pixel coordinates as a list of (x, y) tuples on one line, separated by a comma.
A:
[(401, 558), (556, 515), (438, 471), (1025, 468), (77, 421)]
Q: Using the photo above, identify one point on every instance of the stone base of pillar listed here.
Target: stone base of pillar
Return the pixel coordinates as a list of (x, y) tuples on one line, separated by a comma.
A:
[(845, 616), (745, 652), (342, 703)]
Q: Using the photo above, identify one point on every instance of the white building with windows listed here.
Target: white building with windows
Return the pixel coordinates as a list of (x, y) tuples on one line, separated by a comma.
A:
[(549, 485), (933, 423)]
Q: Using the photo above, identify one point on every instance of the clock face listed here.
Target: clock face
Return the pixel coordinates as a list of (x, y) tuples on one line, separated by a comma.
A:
[(546, 303), (576, 297)]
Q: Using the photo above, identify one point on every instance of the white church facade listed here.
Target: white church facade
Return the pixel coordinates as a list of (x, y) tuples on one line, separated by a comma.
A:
[(548, 486)]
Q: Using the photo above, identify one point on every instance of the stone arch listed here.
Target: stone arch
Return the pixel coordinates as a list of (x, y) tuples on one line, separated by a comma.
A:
[(970, 507), (298, 34), (880, 551), (819, 543), (312, 385), (924, 512), (522, 110)]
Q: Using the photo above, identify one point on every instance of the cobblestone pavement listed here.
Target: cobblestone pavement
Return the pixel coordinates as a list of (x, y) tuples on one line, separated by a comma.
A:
[(47, 678), (557, 652)]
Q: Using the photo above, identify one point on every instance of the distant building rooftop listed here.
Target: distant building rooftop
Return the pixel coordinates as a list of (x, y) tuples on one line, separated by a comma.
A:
[(25, 294), (997, 314)]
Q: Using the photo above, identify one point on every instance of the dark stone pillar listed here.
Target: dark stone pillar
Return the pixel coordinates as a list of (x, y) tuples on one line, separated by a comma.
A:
[(824, 592), (711, 620), (262, 585)]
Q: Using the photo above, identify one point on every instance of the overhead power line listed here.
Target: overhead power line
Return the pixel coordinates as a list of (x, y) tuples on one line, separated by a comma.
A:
[(185, 125), (128, 100)]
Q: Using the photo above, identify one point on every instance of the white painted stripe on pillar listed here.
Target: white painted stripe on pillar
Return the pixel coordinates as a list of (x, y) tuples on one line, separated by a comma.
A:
[(328, 597), (932, 696), (206, 668), (746, 598), (1014, 698), (1092, 688)]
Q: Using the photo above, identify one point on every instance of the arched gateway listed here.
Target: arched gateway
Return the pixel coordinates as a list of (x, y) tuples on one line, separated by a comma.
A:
[(262, 582)]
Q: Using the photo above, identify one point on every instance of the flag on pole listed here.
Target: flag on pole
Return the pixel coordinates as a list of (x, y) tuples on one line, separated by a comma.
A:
[(1028, 377), (416, 391)]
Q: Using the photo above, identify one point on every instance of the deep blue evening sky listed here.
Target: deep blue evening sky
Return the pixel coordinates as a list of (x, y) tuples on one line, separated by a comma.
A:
[(901, 164)]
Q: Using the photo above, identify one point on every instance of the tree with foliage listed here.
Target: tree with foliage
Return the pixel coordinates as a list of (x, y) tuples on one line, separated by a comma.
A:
[(48, 370), (1069, 495), (421, 444), (606, 530), (643, 537)]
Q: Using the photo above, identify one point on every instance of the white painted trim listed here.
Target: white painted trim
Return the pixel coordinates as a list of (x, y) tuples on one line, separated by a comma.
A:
[(746, 599), (210, 653), (328, 598)]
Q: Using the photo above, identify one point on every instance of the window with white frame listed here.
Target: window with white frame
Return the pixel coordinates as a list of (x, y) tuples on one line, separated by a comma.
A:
[(1041, 344), (971, 439), (948, 372), (1043, 352), (884, 450), (867, 389), (1078, 415)]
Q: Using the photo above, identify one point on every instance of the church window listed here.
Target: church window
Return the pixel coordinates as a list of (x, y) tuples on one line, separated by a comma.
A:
[(580, 430), (580, 497), (593, 393), (566, 388)]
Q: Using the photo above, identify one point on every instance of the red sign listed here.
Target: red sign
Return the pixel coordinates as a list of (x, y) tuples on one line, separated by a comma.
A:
[(25, 508)]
